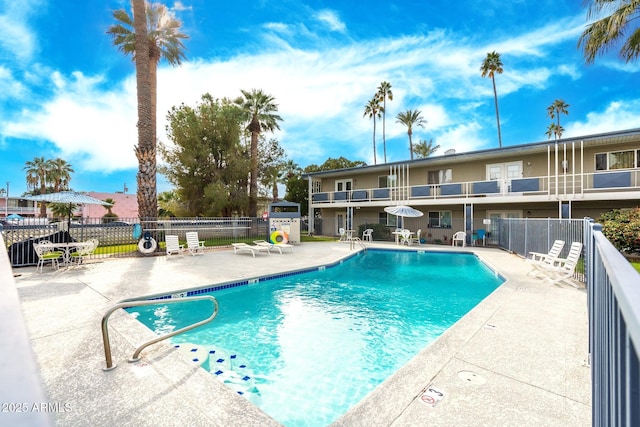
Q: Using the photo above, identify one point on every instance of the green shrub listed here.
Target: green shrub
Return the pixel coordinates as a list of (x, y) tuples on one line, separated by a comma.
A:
[(622, 228), (380, 231)]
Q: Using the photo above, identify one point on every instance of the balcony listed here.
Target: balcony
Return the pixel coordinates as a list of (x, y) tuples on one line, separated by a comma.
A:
[(592, 186)]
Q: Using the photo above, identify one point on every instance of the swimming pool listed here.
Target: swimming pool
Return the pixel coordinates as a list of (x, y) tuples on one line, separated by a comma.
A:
[(307, 347)]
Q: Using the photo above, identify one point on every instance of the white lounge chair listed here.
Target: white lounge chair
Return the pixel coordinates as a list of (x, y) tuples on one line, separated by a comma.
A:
[(173, 245), (271, 246), (367, 235), (563, 268), (548, 259), (459, 236), (243, 247), (194, 245)]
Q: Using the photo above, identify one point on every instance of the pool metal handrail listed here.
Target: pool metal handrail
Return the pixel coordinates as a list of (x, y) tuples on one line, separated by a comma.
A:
[(139, 303)]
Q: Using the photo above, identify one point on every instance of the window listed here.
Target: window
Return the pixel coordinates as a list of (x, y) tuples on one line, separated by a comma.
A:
[(387, 219), (344, 184), (386, 181), (316, 187), (618, 160), (440, 219), (440, 177)]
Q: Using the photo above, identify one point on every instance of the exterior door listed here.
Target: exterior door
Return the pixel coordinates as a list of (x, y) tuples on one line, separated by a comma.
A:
[(504, 173), (340, 222)]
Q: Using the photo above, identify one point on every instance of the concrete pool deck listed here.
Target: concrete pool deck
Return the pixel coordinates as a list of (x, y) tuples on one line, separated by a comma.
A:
[(519, 358)]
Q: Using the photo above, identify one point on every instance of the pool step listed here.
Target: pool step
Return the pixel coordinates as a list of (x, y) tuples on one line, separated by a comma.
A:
[(195, 353), (226, 366)]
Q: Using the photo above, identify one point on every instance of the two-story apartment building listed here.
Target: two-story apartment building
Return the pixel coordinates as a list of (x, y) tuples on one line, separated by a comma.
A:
[(570, 178)]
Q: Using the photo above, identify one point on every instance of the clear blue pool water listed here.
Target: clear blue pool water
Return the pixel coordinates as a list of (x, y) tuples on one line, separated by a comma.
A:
[(307, 347)]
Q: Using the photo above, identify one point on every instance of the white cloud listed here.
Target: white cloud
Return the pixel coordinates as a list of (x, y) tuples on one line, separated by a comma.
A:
[(179, 6), (321, 93), (331, 19), (616, 115), (17, 37)]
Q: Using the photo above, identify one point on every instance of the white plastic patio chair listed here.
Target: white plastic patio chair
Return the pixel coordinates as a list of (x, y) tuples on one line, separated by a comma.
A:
[(548, 259), (417, 238), (459, 236), (195, 246), (405, 237), (562, 269), (46, 253), (367, 235), (173, 245)]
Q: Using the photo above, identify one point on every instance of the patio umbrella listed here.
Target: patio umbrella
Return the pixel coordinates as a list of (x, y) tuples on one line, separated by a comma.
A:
[(403, 211), (70, 197), (15, 216)]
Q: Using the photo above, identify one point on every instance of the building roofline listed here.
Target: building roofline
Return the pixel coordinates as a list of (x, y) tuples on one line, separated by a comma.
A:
[(594, 139)]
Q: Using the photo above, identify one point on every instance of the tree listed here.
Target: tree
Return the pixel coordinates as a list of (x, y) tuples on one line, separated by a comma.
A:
[(384, 93), (622, 229), (162, 40), (37, 175), (425, 149), (372, 109), (60, 174), (411, 119), (168, 204), (271, 168), (206, 164), (490, 66), (604, 33), (334, 164), (260, 113), (555, 131), (553, 111)]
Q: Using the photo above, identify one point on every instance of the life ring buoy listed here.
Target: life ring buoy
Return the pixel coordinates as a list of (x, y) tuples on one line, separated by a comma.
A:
[(279, 237), (147, 246)]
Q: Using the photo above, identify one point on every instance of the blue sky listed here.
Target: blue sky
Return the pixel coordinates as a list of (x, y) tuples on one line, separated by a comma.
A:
[(67, 92)]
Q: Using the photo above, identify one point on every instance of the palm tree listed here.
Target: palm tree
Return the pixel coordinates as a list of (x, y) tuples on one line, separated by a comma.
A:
[(260, 113), (384, 93), (411, 119), (372, 109), (162, 40), (555, 130), (38, 176), (490, 66), (425, 149), (553, 111), (60, 174), (601, 35)]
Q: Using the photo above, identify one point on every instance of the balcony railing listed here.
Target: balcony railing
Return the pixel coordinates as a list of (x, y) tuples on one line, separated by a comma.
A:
[(568, 185)]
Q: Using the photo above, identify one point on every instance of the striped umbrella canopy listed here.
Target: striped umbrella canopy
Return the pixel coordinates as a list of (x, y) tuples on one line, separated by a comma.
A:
[(403, 210), (70, 197)]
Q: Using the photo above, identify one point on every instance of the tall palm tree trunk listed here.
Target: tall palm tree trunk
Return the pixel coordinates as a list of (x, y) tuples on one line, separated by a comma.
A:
[(384, 136), (495, 97), (410, 143), (375, 162), (145, 150)]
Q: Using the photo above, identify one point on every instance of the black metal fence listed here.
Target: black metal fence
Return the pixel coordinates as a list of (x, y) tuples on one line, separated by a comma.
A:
[(122, 238)]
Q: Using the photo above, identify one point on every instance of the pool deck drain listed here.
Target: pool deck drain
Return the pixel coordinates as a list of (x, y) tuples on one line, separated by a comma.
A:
[(532, 358)]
